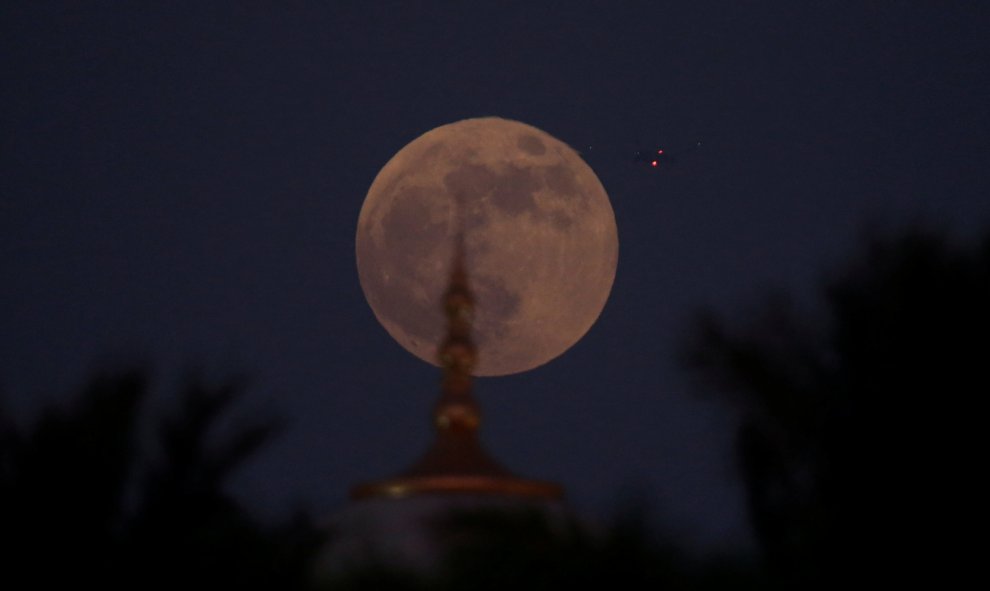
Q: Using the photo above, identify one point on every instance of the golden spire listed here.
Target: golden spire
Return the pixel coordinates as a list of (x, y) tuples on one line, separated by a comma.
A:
[(457, 354), (456, 462)]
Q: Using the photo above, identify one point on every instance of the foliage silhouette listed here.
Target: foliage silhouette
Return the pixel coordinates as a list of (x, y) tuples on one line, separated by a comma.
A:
[(521, 549), (80, 505), (857, 429), (535, 550), (63, 483), (853, 446)]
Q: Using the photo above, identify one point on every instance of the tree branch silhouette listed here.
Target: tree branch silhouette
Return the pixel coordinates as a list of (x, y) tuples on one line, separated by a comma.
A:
[(856, 426)]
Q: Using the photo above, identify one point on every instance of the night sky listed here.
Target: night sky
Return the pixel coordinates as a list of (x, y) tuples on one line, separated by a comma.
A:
[(180, 183)]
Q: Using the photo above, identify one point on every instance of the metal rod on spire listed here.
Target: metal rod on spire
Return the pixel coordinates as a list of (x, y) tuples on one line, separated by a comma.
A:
[(457, 354)]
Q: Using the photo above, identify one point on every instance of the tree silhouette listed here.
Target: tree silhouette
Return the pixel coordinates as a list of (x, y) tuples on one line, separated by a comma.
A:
[(64, 481), (525, 547), (81, 505), (501, 549), (858, 427), (526, 550)]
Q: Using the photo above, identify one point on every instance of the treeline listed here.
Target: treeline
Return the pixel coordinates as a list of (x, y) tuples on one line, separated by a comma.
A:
[(858, 447)]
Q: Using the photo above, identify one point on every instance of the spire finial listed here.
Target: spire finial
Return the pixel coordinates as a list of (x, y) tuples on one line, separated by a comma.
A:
[(456, 462), (457, 354)]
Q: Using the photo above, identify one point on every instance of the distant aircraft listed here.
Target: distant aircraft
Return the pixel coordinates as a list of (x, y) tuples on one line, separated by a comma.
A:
[(659, 157), (652, 157)]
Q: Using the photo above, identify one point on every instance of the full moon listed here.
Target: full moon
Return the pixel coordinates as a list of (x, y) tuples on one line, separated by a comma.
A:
[(540, 242)]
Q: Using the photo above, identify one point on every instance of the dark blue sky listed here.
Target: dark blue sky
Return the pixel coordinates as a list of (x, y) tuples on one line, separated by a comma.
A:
[(181, 183)]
